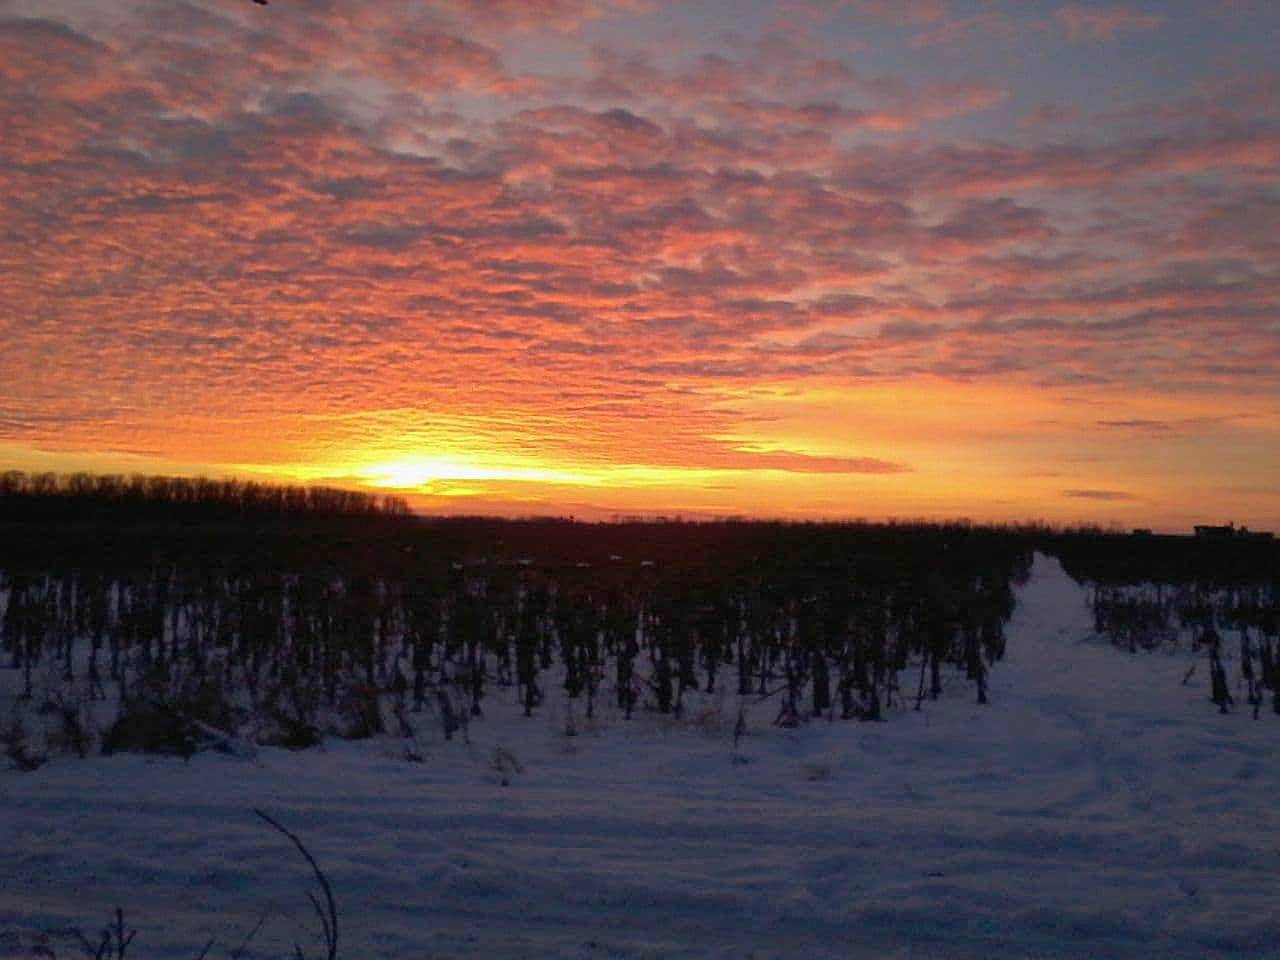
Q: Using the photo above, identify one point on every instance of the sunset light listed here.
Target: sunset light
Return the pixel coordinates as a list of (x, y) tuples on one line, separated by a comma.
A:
[(508, 479), (419, 472), (1003, 261)]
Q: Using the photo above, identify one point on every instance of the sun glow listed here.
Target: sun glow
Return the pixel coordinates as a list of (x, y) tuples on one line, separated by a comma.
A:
[(412, 473), (415, 472)]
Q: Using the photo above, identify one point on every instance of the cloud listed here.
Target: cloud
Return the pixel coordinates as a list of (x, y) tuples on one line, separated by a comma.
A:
[(919, 13), (596, 257), (1166, 429), (1248, 224), (1152, 426), (909, 330), (986, 28), (983, 224), (780, 84), (791, 462), (1102, 495), (997, 168), (1052, 114), (1104, 23), (428, 59), (524, 15)]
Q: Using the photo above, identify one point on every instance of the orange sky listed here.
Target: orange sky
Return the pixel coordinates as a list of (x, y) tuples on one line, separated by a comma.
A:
[(1003, 261)]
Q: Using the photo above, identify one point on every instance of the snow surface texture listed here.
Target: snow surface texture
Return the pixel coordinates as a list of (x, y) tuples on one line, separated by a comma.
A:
[(1097, 808)]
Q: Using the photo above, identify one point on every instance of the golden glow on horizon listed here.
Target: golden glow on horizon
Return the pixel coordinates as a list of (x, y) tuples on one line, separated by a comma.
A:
[(438, 473), (919, 448), (995, 491)]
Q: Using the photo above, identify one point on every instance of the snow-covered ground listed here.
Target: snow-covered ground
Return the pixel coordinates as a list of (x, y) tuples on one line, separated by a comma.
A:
[(1097, 808)]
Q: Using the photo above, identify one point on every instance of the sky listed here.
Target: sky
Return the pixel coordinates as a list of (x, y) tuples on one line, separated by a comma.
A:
[(854, 258)]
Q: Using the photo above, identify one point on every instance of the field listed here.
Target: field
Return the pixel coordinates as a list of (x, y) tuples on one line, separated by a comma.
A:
[(1097, 806)]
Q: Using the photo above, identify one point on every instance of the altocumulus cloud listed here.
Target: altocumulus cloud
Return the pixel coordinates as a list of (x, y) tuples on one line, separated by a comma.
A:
[(460, 207)]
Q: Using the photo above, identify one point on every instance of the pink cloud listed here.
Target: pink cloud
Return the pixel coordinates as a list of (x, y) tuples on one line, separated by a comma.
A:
[(271, 224)]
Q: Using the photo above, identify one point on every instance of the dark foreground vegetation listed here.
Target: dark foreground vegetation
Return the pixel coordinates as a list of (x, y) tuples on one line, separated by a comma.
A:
[(206, 610), (286, 629), (1216, 599)]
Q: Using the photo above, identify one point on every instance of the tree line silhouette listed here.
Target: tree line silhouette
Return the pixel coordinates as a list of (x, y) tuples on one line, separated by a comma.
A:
[(54, 497), (1127, 559)]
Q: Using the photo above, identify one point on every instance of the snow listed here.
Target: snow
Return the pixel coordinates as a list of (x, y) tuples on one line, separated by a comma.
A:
[(1097, 807)]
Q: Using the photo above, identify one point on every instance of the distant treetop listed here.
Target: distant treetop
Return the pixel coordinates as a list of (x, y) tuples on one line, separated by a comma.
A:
[(87, 496)]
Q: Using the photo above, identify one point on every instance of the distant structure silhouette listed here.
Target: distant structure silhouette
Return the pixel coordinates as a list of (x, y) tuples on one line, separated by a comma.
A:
[(1231, 532)]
